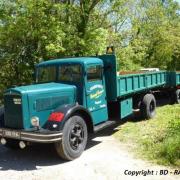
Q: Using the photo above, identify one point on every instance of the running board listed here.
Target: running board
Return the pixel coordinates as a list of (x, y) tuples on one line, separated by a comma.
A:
[(103, 125)]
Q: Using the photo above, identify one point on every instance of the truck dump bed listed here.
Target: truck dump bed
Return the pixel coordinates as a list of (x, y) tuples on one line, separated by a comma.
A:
[(173, 79), (123, 84), (140, 81)]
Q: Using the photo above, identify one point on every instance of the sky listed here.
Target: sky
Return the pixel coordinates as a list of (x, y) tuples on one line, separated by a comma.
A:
[(178, 1)]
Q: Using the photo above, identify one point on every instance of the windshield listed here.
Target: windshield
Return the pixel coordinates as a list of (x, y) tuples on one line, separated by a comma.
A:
[(66, 73), (46, 74), (70, 73)]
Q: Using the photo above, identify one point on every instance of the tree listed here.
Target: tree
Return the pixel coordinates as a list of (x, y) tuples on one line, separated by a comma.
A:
[(145, 33), (84, 28), (30, 31), (152, 38)]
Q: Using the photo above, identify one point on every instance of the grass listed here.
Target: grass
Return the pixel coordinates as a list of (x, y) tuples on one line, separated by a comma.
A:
[(157, 139)]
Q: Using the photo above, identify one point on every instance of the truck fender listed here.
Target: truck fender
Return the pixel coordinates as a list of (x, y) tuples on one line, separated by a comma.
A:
[(68, 111)]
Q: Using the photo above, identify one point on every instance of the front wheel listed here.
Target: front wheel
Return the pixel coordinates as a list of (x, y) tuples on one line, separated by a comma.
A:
[(74, 138)]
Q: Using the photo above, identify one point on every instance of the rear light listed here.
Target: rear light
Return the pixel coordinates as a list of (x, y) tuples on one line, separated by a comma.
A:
[(56, 117)]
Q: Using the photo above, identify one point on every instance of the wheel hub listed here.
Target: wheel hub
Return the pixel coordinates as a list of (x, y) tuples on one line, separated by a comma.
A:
[(152, 106), (76, 136)]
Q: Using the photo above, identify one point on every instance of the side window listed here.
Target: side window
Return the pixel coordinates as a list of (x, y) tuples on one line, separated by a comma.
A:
[(94, 73)]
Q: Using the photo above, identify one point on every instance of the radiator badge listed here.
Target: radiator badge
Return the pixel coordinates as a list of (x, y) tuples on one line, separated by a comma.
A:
[(17, 101)]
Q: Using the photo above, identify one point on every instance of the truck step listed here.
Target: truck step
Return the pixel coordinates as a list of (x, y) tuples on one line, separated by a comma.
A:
[(104, 125)]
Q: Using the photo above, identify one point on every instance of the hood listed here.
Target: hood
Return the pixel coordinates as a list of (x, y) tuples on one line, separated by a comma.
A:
[(36, 100), (40, 88)]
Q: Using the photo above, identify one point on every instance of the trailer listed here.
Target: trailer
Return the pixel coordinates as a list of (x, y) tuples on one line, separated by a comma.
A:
[(174, 78), (73, 97), (133, 83), (177, 78)]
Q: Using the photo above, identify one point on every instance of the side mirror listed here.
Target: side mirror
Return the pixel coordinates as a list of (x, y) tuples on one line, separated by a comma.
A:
[(34, 76), (108, 67)]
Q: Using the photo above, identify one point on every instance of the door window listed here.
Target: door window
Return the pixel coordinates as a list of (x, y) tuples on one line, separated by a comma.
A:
[(94, 73)]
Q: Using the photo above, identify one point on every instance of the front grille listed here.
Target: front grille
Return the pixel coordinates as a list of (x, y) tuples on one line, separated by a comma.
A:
[(13, 111)]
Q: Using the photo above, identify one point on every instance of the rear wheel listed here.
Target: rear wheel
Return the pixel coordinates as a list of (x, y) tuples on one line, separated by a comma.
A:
[(74, 139), (177, 96), (148, 106)]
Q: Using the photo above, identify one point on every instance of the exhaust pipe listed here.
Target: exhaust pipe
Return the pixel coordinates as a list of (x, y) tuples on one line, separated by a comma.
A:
[(22, 145), (3, 141)]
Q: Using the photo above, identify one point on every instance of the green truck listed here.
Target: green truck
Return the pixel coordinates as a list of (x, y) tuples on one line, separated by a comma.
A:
[(73, 97)]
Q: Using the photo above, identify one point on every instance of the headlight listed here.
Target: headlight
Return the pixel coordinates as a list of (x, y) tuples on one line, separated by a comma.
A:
[(35, 121)]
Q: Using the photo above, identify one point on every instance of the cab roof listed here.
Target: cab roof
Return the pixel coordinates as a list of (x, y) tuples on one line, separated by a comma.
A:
[(78, 60)]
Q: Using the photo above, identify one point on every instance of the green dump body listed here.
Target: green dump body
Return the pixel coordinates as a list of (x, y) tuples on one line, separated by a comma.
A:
[(173, 78), (133, 83), (129, 83)]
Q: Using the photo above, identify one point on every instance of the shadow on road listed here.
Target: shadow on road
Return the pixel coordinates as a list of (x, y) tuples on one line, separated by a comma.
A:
[(29, 158), (45, 155)]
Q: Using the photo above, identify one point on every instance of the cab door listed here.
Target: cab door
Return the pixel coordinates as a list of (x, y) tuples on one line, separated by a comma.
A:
[(96, 93)]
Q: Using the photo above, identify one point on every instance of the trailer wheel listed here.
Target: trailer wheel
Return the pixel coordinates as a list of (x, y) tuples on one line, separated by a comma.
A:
[(74, 139), (148, 106), (177, 96), (1, 116)]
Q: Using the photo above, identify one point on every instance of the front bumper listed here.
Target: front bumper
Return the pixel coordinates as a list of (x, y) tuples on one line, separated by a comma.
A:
[(39, 136)]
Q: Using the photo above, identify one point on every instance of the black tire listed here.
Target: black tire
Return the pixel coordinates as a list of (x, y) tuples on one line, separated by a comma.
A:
[(177, 96), (148, 106), (1, 116), (74, 139), (12, 144)]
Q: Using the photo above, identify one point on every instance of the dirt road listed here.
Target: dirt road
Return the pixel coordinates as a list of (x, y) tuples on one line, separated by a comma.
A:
[(104, 159)]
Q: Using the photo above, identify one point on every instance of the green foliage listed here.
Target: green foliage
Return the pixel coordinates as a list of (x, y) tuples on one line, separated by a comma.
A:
[(156, 139), (32, 31), (132, 56), (158, 29), (152, 40)]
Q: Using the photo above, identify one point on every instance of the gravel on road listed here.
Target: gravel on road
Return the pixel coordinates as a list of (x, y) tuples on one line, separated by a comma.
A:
[(104, 159)]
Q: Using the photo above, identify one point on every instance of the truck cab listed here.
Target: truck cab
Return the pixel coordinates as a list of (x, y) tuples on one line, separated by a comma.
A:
[(71, 88), (85, 75)]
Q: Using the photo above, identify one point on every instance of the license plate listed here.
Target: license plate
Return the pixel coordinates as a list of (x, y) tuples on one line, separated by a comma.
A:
[(11, 134)]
